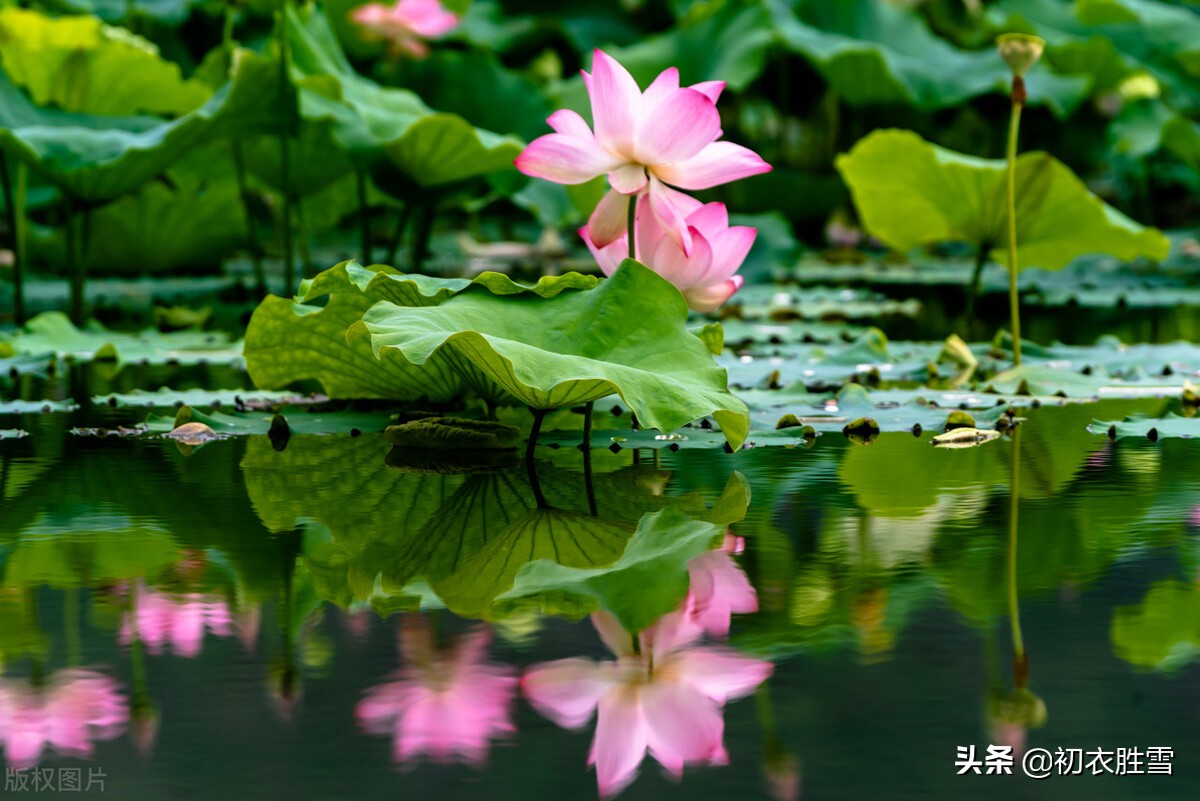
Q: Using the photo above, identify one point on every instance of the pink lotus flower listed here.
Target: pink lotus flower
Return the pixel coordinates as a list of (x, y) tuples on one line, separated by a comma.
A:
[(667, 698), (446, 705), (178, 620), (73, 709), (647, 143), (706, 276), (406, 23)]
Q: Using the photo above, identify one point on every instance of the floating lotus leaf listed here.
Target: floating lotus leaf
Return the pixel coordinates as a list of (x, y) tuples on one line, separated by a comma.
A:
[(53, 332), (1153, 428), (79, 64), (289, 341), (910, 192), (297, 419), (627, 337)]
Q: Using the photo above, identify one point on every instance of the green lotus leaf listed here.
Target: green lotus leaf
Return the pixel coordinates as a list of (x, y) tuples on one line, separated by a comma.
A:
[(648, 580), (80, 64), (884, 53), (1170, 427), (315, 160), (626, 337), (910, 192), (171, 13), (1170, 28), (1163, 631), (53, 332), (85, 546), (391, 129), (96, 158), (1181, 136), (191, 220), (297, 419), (289, 341)]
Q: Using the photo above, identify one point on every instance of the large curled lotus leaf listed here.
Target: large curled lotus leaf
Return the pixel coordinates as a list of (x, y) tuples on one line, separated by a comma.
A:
[(289, 341), (910, 192), (1161, 632), (884, 54), (627, 337), (79, 64), (96, 158), (444, 148), (190, 220)]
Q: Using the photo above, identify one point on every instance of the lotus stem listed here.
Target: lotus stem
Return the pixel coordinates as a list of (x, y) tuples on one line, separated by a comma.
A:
[(305, 243), (71, 625), (631, 225), (239, 162), (981, 257), (419, 247), (589, 487), (14, 202), (398, 235), (289, 270), (1014, 495), (364, 222), (530, 467), (1014, 301), (75, 260), (239, 168)]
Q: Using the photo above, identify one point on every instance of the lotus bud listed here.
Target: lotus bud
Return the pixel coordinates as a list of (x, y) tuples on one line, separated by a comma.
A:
[(1020, 51), (1019, 707)]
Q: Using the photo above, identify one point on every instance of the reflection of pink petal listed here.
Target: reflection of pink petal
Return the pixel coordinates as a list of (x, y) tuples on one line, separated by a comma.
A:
[(621, 740), (568, 690), (719, 589), (180, 621), (666, 699), (75, 708), (446, 705)]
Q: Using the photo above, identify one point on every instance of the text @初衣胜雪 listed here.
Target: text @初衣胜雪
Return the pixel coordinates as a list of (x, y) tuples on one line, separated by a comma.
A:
[(1042, 763)]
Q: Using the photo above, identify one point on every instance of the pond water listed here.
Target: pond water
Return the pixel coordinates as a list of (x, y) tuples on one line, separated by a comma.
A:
[(230, 623)]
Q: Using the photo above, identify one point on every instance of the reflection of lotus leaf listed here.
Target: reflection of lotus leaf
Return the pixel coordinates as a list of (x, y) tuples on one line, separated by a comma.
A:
[(87, 548), (1163, 631)]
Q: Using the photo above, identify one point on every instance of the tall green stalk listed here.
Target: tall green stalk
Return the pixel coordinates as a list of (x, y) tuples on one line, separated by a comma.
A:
[(1014, 301), (14, 201), (289, 269), (364, 222), (1014, 502), (1020, 52), (75, 265), (239, 162), (631, 223)]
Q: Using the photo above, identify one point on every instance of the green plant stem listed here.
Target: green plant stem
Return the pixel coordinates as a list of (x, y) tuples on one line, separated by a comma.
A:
[(530, 465), (398, 235), (71, 626), (289, 269), (1014, 301), (422, 233), (302, 231), (630, 232), (981, 258), (75, 262), (364, 222), (1014, 496), (14, 202), (239, 168), (589, 487)]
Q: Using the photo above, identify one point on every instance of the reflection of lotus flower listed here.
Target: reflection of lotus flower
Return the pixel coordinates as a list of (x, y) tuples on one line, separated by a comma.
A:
[(406, 23), (666, 699), (73, 709), (719, 588), (647, 142), (446, 705), (706, 276), (179, 620)]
